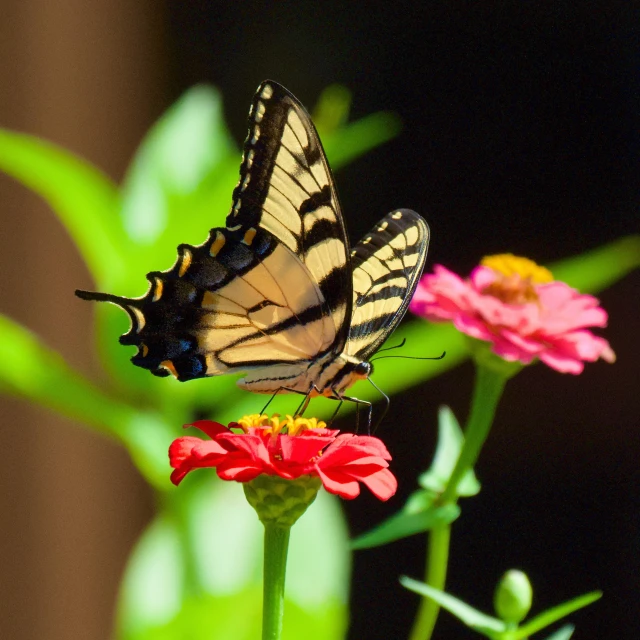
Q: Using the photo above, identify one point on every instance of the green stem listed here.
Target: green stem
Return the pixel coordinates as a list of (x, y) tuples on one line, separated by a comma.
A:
[(488, 388), (276, 544), (436, 574), (487, 391)]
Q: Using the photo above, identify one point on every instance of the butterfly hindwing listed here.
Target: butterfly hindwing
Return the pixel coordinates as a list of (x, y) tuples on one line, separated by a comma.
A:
[(387, 264), (227, 306)]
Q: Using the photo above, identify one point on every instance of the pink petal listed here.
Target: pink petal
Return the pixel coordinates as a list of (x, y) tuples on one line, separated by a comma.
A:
[(473, 327), (526, 344), (481, 277), (561, 363)]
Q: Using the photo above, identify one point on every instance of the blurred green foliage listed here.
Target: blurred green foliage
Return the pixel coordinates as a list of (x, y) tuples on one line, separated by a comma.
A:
[(197, 567)]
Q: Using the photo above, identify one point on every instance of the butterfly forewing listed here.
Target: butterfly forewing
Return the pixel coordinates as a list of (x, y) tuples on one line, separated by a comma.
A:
[(286, 187), (387, 264), (273, 286)]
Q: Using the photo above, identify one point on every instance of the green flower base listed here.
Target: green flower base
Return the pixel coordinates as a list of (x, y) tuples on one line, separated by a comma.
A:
[(279, 501)]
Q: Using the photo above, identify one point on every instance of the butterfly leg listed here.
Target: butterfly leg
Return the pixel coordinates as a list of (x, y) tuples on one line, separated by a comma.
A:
[(387, 404), (305, 403), (270, 401), (358, 403), (335, 413)]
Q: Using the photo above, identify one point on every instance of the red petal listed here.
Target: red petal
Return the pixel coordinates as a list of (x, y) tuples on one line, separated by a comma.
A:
[(249, 444), (239, 467), (382, 484), (339, 484), (302, 450), (188, 453), (211, 428), (348, 447), (180, 449)]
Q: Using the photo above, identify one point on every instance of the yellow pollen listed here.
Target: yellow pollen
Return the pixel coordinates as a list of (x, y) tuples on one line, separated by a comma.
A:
[(509, 265), (293, 426), (517, 278)]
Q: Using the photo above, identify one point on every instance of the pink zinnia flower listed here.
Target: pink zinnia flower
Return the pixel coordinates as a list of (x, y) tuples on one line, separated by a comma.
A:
[(259, 445), (516, 305)]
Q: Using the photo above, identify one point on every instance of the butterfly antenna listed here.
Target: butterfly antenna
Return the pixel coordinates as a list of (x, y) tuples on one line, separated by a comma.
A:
[(442, 355), (396, 346)]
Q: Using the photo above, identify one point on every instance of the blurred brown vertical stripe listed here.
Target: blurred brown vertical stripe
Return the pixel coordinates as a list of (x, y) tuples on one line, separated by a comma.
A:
[(92, 77)]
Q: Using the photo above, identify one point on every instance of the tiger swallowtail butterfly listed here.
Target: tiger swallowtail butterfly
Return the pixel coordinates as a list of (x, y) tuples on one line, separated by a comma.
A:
[(277, 294)]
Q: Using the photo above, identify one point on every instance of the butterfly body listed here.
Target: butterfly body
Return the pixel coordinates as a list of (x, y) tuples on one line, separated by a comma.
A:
[(277, 294), (329, 375)]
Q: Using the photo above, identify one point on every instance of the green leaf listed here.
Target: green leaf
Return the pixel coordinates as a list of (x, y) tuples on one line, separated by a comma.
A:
[(405, 524), (450, 441), (180, 181), (33, 371), (564, 633), (598, 269), (480, 622), (332, 110), (353, 140), (83, 198), (37, 373), (554, 614)]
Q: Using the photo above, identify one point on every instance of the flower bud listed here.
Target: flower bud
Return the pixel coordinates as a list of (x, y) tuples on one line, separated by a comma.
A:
[(512, 599)]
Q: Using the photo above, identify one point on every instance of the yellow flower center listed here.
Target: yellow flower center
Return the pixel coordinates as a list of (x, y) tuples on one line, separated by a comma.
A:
[(517, 278), (293, 426)]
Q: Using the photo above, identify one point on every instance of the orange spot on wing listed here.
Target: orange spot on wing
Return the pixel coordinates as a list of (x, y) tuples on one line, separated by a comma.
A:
[(168, 365), (186, 261)]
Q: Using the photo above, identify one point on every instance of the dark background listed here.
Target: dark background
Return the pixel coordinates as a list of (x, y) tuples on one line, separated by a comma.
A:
[(520, 135)]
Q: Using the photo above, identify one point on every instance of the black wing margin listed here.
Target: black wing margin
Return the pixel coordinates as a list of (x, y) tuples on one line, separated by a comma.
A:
[(387, 264)]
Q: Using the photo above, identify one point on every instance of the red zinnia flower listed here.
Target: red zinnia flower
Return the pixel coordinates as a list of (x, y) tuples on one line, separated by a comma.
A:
[(259, 446), (516, 305)]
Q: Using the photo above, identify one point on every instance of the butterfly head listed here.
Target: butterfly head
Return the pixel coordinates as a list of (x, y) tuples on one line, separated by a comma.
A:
[(345, 372), (363, 370)]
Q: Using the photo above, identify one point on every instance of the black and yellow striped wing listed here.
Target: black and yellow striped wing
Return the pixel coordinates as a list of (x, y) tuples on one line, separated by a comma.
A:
[(274, 286), (286, 187), (386, 264)]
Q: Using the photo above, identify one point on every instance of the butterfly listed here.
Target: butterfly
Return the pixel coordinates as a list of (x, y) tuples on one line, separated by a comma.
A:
[(277, 294)]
